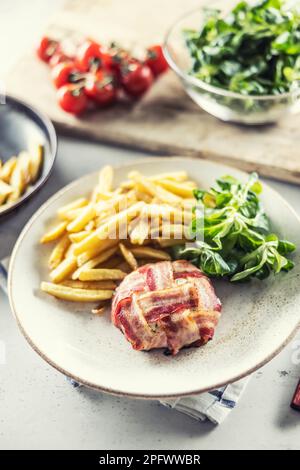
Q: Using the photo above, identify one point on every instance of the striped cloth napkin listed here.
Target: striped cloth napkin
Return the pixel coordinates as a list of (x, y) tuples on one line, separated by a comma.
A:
[(214, 405)]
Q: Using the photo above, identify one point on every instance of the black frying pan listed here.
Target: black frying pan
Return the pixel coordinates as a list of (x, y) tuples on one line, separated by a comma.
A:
[(19, 125)]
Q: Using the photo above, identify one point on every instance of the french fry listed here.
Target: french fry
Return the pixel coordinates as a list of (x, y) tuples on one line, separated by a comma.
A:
[(173, 176), (7, 169), (102, 195), (72, 214), (117, 203), (154, 190), (148, 252), (77, 204), (58, 252), (93, 252), (118, 222), (166, 212), (35, 161), (96, 285), (178, 232), (70, 251), (5, 190), (87, 214), (24, 164), (15, 172), (142, 196), (176, 215), (92, 263), (180, 189), (101, 275), (55, 233), (75, 295), (63, 270), (78, 236), (89, 226), (164, 243), (106, 179), (140, 230), (127, 185), (166, 231), (18, 182), (99, 310), (100, 220), (128, 256)]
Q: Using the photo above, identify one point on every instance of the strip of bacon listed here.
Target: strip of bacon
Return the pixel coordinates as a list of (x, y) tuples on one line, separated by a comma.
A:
[(206, 321), (166, 304), (159, 275), (207, 297), (136, 282), (185, 275), (142, 329), (117, 310), (168, 301), (181, 267), (124, 323), (180, 329)]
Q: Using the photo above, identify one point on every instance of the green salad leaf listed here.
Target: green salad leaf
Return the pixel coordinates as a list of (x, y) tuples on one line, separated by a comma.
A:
[(253, 50), (232, 233)]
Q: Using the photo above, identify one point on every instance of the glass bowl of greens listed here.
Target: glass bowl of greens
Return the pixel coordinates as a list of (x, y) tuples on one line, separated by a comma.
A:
[(241, 62)]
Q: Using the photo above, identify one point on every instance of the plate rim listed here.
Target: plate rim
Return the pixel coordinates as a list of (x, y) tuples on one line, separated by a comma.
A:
[(113, 391), (52, 138)]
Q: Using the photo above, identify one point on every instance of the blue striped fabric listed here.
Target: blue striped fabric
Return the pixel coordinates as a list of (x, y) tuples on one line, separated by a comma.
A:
[(3, 273), (214, 405)]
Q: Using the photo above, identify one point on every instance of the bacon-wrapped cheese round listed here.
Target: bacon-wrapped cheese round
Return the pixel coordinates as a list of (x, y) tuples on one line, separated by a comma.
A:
[(166, 305)]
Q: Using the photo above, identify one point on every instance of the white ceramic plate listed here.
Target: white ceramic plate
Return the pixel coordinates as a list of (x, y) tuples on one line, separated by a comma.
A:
[(258, 318)]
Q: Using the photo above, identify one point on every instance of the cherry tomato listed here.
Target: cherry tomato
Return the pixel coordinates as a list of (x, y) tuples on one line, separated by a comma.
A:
[(119, 57), (91, 56), (136, 78), (101, 88), (59, 57), (47, 48), (64, 73), (72, 99), (156, 60)]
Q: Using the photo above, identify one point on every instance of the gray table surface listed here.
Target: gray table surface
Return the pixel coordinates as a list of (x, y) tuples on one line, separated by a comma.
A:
[(40, 410)]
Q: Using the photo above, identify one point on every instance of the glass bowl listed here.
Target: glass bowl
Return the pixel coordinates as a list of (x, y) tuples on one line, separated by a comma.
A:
[(221, 103)]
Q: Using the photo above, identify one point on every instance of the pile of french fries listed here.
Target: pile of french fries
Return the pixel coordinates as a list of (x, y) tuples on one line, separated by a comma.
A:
[(100, 239), (18, 173)]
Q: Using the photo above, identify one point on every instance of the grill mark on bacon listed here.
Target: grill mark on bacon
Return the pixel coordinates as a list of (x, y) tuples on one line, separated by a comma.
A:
[(187, 274), (153, 311), (158, 312)]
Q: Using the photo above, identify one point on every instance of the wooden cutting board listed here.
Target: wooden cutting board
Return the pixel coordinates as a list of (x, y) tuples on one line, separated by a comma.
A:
[(165, 120)]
